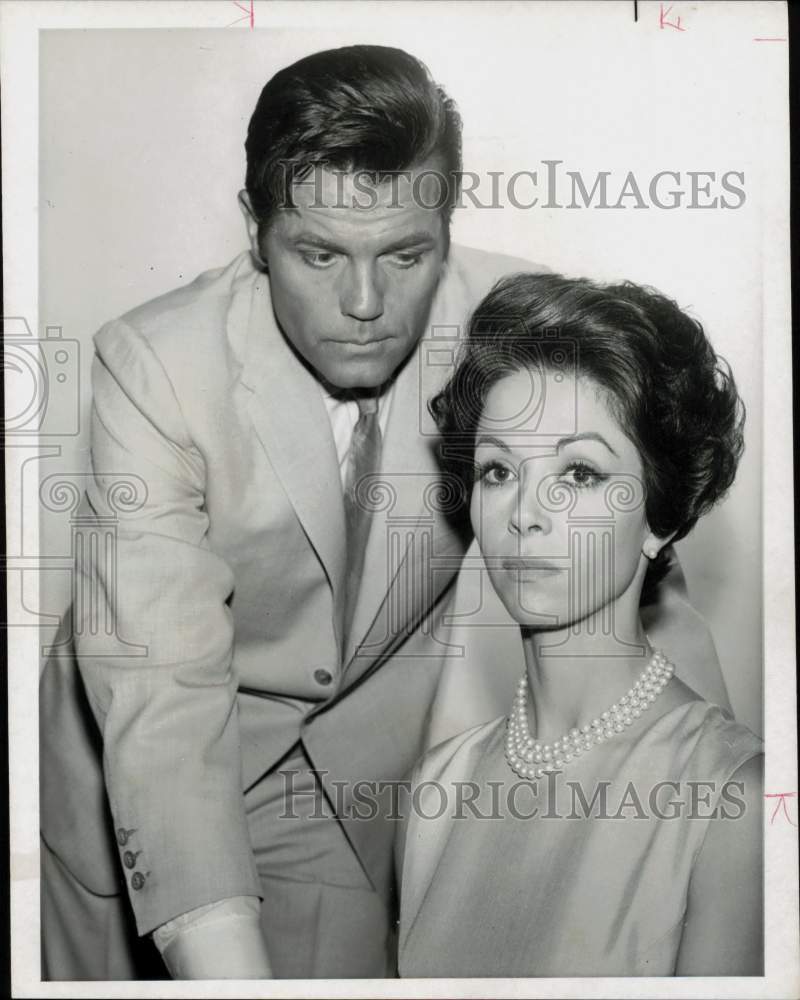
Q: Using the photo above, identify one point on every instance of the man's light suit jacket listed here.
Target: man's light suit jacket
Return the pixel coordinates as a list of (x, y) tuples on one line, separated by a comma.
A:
[(229, 577)]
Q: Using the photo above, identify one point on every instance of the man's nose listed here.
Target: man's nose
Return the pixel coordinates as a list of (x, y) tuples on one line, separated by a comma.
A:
[(529, 512), (361, 292)]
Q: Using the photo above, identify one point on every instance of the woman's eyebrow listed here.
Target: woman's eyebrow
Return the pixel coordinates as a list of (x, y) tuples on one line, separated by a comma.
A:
[(492, 442), (586, 436)]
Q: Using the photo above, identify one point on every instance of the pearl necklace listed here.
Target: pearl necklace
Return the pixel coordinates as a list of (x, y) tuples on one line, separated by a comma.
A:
[(530, 758)]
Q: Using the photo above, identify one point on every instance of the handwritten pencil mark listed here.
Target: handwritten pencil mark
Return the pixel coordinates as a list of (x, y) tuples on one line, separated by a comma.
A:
[(249, 13), (664, 23), (781, 803)]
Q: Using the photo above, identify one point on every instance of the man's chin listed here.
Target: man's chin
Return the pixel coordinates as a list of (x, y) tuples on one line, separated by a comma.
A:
[(362, 375)]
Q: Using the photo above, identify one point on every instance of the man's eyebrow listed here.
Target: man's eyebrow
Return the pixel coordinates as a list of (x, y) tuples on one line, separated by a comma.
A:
[(315, 240), (420, 239)]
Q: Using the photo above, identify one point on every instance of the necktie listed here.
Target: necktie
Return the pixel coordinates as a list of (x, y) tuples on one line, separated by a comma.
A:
[(363, 460)]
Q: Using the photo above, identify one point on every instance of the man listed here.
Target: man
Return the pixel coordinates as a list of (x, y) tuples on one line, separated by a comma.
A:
[(289, 613)]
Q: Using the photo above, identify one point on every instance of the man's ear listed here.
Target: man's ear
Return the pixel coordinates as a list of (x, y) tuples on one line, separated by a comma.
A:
[(251, 224), (653, 544)]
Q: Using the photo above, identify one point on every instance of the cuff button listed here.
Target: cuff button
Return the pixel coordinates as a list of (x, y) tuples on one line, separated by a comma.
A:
[(322, 676), (137, 880)]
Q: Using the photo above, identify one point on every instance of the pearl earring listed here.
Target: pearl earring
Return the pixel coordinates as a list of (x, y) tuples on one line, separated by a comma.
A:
[(651, 552)]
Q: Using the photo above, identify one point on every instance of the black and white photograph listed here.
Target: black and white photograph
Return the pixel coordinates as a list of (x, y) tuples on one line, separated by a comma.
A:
[(399, 499)]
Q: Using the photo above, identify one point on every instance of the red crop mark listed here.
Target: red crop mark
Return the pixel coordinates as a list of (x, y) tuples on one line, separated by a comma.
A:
[(249, 13), (780, 804), (664, 23)]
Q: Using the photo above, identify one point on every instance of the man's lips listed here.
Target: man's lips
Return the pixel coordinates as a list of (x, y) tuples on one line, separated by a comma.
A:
[(359, 344)]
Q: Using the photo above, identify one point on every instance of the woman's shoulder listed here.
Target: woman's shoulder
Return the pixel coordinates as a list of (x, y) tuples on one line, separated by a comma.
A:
[(715, 723), (704, 737)]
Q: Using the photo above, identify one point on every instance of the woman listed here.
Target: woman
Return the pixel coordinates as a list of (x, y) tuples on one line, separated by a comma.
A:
[(611, 825)]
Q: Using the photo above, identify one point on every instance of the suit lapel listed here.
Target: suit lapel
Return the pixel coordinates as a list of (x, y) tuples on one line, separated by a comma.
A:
[(292, 423), (398, 498), (290, 418)]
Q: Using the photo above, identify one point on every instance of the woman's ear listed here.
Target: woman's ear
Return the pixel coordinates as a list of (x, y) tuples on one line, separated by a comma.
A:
[(653, 544)]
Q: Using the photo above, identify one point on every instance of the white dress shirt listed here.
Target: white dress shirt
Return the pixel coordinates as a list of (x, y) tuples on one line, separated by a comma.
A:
[(343, 415)]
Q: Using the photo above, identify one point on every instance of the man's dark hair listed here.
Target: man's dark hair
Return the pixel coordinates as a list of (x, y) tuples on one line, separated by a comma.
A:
[(673, 396), (359, 108)]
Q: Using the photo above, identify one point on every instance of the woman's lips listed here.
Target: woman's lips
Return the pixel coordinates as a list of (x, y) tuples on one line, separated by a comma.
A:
[(530, 563)]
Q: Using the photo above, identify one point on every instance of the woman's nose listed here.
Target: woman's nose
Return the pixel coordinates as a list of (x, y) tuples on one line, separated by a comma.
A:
[(529, 512), (361, 292)]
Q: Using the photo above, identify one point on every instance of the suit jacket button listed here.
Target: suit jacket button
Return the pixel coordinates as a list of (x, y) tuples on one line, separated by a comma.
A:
[(323, 676), (122, 837), (137, 880), (129, 859)]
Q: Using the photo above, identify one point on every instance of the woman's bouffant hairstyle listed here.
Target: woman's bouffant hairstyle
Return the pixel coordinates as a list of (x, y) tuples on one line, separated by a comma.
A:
[(673, 396), (357, 108)]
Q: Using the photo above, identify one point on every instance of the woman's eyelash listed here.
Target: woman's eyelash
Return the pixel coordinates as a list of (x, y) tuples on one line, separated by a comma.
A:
[(584, 476), (493, 473), (581, 474)]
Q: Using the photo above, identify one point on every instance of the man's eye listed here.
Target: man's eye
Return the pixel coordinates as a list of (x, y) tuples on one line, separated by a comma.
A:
[(406, 260), (583, 476), (495, 474), (318, 258)]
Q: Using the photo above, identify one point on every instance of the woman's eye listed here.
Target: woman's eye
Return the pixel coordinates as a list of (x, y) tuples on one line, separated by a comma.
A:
[(495, 474), (318, 258), (583, 476)]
